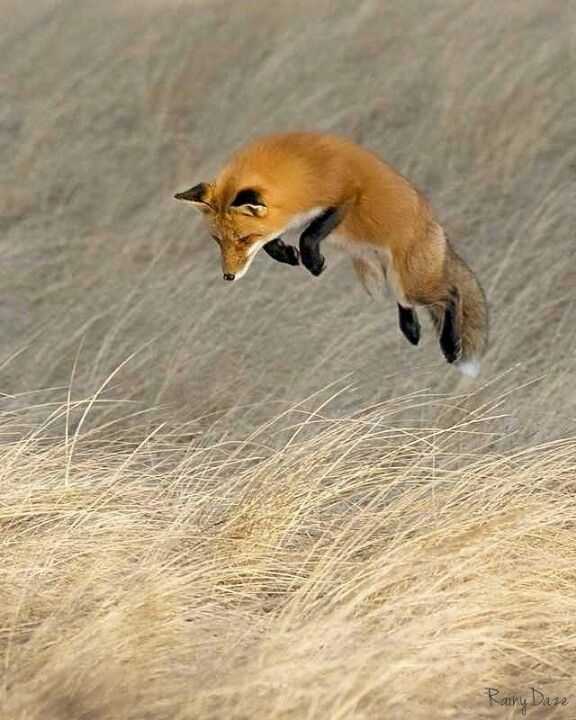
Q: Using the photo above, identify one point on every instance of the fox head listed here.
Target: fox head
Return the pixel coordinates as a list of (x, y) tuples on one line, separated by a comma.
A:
[(239, 221), (273, 188)]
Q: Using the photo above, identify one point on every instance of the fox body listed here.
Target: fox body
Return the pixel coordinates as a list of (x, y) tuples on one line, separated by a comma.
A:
[(289, 193)]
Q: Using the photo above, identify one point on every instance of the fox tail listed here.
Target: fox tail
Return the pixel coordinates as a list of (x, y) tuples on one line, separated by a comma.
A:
[(471, 313)]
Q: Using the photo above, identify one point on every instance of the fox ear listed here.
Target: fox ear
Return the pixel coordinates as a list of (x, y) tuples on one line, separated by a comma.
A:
[(249, 202), (200, 196), (254, 210)]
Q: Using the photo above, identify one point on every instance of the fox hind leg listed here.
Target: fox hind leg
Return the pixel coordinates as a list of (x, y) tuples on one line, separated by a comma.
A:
[(371, 277), (445, 317), (409, 324)]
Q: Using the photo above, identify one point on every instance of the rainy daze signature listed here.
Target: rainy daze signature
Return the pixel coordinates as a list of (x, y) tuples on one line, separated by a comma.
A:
[(533, 698)]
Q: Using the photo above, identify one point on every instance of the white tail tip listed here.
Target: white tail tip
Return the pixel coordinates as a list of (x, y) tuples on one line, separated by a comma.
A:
[(470, 368)]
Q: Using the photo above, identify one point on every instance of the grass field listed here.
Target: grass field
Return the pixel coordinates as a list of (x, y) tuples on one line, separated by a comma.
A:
[(258, 500)]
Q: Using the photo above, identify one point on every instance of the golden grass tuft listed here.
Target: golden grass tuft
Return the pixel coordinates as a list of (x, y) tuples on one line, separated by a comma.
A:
[(361, 570)]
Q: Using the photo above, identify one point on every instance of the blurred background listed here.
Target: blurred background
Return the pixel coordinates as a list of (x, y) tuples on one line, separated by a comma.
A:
[(108, 108), (257, 500)]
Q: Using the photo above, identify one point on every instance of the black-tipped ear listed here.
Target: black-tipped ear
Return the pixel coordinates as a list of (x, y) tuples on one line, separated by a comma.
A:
[(194, 194), (200, 195), (249, 202)]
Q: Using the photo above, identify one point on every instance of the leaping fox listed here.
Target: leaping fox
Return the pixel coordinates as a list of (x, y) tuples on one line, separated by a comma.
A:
[(311, 188)]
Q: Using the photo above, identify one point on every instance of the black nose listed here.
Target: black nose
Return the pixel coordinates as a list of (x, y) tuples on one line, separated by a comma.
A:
[(227, 276)]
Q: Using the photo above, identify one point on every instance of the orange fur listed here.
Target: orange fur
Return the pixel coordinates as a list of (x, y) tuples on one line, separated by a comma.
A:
[(385, 216)]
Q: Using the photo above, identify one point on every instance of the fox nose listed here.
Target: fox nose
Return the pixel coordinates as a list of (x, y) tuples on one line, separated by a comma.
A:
[(228, 276)]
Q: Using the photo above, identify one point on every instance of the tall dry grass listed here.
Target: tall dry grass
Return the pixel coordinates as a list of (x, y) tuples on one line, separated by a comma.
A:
[(367, 570), (260, 501)]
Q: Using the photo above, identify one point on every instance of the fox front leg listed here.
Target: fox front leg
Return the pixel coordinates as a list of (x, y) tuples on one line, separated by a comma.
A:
[(310, 240), (281, 252)]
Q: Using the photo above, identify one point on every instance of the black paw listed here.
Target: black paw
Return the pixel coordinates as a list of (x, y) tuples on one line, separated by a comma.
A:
[(315, 265), (451, 354), (450, 340), (292, 255), (409, 324), (318, 268), (412, 333)]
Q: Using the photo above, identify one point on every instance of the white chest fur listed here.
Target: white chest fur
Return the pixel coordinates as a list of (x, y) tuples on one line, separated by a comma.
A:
[(290, 235)]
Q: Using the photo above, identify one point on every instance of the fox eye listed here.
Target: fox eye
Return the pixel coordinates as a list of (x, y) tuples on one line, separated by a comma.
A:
[(245, 239), (215, 237)]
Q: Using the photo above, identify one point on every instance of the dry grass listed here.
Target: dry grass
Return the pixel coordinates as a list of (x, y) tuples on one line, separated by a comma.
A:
[(260, 501), (369, 570)]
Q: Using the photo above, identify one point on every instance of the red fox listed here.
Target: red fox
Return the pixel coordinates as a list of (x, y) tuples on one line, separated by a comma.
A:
[(311, 188)]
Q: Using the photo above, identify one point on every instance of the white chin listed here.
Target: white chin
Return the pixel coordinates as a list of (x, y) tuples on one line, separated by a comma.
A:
[(249, 259), (241, 273)]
